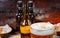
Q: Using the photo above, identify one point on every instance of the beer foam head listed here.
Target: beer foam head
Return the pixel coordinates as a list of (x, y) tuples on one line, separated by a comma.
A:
[(42, 28)]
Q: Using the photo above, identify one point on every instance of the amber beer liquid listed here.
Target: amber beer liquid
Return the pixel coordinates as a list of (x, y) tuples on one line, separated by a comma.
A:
[(25, 31), (42, 30)]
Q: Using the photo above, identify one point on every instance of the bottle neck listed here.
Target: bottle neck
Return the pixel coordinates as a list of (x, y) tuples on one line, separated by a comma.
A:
[(26, 13), (26, 18)]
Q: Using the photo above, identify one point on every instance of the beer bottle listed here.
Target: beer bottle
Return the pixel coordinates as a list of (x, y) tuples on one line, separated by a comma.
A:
[(30, 9), (19, 14), (25, 25)]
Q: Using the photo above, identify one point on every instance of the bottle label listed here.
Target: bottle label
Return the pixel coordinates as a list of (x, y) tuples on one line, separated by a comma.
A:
[(25, 29)]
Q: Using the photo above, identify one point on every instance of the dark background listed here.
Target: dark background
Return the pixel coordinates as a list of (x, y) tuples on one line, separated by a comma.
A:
[(8, 10)]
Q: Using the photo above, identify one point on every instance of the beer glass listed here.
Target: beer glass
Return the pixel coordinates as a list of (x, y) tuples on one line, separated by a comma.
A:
[(42, 30)]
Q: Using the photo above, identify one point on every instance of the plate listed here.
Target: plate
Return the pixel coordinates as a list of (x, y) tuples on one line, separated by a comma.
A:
[(6, 29)]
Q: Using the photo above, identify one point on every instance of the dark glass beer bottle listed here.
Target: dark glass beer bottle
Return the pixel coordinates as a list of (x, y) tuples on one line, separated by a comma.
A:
[(30, 9), (19, 14), (25, 25)]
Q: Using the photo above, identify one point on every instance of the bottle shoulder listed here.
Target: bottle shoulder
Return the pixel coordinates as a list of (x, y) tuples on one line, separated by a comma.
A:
[(25, 22)]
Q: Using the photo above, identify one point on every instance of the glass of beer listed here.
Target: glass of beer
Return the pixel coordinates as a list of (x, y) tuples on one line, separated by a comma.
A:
[(42, 30)]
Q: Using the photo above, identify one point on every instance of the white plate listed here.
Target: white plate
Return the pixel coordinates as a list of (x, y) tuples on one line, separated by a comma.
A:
[(5, 29)]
